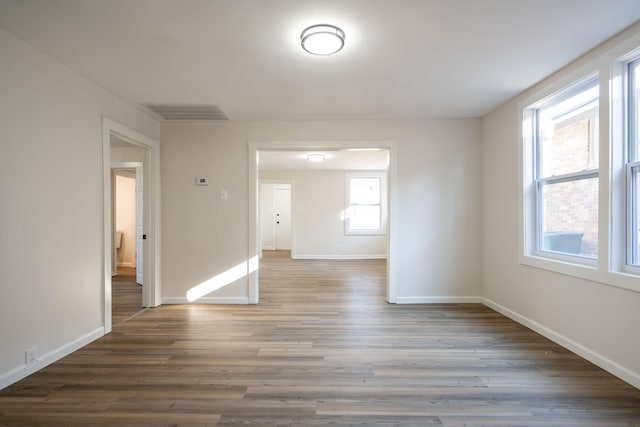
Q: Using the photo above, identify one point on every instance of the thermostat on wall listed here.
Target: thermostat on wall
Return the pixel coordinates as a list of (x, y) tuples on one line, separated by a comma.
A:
[(202, 180)]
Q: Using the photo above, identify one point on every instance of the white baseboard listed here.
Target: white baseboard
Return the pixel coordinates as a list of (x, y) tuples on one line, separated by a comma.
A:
[(337, 257), (207, 300), (268, 248), (439, 300), (23, 371), (126, 264), (605, 363)]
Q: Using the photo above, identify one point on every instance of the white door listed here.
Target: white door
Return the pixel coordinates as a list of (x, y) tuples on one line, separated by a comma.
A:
[(267, 214), (139, 225), (282, 209)]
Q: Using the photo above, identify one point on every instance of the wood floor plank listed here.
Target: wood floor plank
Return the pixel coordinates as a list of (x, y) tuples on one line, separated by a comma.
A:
[(322, 348)]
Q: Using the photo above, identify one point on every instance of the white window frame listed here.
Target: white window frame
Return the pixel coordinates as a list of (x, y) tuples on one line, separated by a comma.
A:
[(631, 159), (611, 63), (382, 176), (531, 136)]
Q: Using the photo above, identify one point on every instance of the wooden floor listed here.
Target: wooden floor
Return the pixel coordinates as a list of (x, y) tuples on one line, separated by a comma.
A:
[(321, 348), (126, 296)]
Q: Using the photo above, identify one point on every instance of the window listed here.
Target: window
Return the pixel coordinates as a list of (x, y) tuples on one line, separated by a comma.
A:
[(365, 210), (632, 169), (564, 134), (580, 170)]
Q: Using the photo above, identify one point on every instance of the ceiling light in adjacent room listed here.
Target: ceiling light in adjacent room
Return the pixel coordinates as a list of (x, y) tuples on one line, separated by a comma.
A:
[(323, 39), (315, 157)]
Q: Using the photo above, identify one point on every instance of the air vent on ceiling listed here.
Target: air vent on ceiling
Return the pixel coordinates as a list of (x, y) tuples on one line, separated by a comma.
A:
[(188, 112)]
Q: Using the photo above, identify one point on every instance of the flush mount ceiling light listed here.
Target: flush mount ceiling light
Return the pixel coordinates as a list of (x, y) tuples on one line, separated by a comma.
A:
[(322, 39), (315, 157)]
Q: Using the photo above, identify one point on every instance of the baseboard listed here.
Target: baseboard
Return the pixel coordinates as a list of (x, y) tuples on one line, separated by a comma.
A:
[(338, 257), (207, 300), (603, 362), (268, 248), (438, 300), (23, 371), (126, 264)]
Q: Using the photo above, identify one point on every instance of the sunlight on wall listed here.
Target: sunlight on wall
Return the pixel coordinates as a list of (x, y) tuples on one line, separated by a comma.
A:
[(223, 279)]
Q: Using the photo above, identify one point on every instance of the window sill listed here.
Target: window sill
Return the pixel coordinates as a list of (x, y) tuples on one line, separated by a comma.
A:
[(365, 233)]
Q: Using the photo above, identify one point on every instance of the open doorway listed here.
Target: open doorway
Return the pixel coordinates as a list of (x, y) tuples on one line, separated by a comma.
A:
[(131, 155), (128, 228), (275, 216), (258, 152)]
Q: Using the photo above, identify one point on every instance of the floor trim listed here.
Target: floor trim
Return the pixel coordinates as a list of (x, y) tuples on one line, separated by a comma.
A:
[(206, 300), (21, 372), (338, 257), (439, 300), (596, 358)]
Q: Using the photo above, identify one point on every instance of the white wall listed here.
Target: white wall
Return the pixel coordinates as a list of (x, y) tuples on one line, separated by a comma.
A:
[(126, 154), (125, 217), (438, 200), (598, 321), (51, 295), (319, 227)]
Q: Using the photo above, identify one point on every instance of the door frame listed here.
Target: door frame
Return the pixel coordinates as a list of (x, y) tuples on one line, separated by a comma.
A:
[(152, 225), (255, 147)]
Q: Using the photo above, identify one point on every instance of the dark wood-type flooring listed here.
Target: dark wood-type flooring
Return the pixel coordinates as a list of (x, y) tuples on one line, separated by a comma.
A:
[(321, 348), (126, 296)]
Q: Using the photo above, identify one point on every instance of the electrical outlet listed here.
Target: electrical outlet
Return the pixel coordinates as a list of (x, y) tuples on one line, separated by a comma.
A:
[(30, 356)]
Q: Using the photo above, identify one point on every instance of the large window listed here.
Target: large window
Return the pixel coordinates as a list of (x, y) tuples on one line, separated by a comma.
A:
[(365, 210), (564, 131), (633, 164), (580, 170)]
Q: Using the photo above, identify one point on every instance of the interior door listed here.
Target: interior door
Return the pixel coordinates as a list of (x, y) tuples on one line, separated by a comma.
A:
[(282, 205), (139, 226)]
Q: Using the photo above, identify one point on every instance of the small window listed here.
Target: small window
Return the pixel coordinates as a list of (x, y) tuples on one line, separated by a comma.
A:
[(564, 131), (365, 210)]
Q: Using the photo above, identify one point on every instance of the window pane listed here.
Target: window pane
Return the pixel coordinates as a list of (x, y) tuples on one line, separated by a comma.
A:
[(635, 215), (634, 110), (364, 217), (569, 134), (569, 217), (365, 191)]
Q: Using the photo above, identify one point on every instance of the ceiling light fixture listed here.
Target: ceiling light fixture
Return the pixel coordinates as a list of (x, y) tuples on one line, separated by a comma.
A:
[(315, 157), (322, 39)]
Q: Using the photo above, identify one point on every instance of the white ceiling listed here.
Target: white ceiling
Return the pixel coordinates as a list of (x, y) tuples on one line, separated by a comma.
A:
[(402, 58), (354, 159)]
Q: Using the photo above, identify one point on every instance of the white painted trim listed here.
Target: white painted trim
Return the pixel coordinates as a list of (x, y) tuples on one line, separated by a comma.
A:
[(439, 300), (338, 257), (125, 165), (269, 248), (605, 363), (207, 300), (125, 264), (21, 372), (393, 247), (152, 215)]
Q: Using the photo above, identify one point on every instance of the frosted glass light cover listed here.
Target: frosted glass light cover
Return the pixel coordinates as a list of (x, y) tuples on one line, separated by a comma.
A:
[(322, 39)]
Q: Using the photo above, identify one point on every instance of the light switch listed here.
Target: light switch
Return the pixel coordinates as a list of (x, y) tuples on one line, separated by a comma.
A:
[(224, 194)]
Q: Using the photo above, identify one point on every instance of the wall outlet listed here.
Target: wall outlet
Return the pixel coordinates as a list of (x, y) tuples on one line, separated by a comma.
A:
[(30, 356)]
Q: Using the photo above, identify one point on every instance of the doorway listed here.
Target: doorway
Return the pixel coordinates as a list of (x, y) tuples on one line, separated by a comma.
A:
[(127, 224), (275, 216), (124, 148), (255, 246)]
